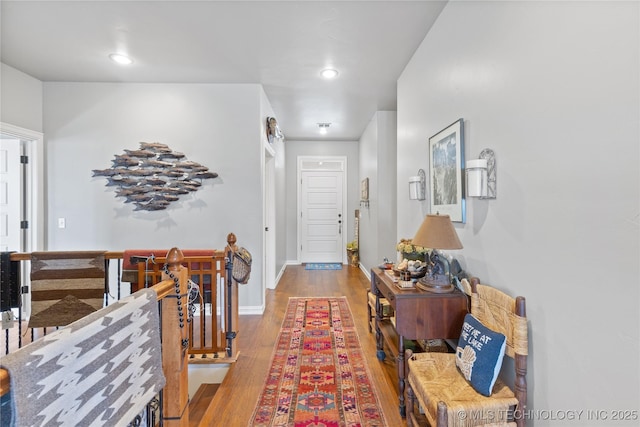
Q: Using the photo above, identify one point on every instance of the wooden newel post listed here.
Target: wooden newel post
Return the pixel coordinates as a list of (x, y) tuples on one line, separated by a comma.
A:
[(175, 343), (231, 301)]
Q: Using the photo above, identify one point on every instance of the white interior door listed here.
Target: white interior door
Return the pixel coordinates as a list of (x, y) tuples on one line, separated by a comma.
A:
[(322, 222), (10, 195), (22, 195)]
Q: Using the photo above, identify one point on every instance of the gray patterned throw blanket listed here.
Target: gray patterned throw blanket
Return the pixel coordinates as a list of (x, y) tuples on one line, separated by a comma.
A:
[(98, 371)]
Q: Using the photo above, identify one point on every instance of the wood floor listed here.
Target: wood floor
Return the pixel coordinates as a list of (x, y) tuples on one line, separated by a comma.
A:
[(236, 397)]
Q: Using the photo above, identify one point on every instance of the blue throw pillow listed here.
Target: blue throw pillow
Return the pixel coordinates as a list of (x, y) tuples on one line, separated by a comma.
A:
[(479, 354)]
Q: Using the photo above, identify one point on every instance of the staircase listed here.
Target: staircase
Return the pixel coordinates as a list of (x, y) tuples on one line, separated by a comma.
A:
[(199, 415)]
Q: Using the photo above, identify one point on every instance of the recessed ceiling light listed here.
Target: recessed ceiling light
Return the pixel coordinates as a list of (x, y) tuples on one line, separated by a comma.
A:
[(121, 59), (329, 73), (324, 127)]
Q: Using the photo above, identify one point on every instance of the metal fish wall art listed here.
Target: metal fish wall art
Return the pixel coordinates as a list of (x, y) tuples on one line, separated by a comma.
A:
[(153, 176)]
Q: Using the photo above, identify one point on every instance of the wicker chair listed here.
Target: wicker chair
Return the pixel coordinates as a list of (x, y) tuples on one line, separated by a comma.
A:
[(444, 395)]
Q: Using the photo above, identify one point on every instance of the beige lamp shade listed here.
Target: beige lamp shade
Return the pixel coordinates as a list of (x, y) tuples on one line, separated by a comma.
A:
[(437, 232)]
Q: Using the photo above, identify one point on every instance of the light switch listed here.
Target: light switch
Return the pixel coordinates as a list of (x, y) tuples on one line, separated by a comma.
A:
[(62, 223)]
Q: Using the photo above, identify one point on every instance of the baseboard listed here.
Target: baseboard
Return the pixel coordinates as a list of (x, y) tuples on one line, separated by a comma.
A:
[(296, 262), (279, 276), (251, 310), (365, 271)]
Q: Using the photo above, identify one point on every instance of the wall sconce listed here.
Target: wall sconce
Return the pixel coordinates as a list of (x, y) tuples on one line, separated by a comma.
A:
[(481, 175), (417, 185), (364, 193), (273, 130)]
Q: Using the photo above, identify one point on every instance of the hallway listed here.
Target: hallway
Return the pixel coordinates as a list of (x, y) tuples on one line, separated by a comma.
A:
[(234, 402)]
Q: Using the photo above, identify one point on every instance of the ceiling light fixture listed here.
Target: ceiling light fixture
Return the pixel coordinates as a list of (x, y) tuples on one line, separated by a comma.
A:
[(324, 127), (121, 59), (329, 73)]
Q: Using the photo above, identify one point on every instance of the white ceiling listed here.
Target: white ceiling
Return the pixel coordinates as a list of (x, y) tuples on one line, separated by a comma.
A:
[(282, 45)]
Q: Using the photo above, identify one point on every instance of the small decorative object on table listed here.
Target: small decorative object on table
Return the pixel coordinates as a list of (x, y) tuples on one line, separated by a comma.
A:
[(405, 284), (386, 264), (436, 279), (411, 262)]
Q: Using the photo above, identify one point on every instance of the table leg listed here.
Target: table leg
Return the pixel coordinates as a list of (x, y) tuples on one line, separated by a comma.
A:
[(369, 315), (380, 354), (401, 375)]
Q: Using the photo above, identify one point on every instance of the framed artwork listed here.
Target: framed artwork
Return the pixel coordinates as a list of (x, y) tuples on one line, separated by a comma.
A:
[(446, 165)]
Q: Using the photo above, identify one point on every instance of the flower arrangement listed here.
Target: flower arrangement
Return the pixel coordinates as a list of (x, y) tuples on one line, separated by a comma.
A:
[(406, 246), (352, 253)]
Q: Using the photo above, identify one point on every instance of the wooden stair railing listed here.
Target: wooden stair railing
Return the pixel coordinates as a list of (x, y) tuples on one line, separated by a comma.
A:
[(176, 334), (212, 337), (209, 335), (171, 294), (206, 336)]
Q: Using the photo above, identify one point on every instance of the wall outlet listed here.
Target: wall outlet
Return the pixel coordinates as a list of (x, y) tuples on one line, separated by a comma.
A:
[(62, 223)]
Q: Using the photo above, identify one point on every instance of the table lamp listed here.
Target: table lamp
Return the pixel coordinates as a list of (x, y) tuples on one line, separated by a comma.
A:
[(437, 232)]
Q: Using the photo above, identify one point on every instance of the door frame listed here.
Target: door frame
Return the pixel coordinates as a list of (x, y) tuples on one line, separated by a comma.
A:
[(268, 218), (34, 208), (301, 160)]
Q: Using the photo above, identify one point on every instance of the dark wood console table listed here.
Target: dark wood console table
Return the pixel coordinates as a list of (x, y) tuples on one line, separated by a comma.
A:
[(419, 315)]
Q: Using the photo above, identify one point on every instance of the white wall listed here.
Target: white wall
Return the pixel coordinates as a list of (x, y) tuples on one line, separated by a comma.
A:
[(295, 149), (378, 163), (86, 124), (21, 101), (386, 184), (553, 88), (369, 236), (279, 184), (281, 205)]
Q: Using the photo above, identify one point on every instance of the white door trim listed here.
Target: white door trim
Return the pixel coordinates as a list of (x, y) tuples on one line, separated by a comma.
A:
[(269, 224), (318, 161), (34, 208), (34, 187)]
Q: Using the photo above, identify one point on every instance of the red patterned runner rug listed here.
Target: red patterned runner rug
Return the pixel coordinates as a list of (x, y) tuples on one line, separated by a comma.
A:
[(318, 374)]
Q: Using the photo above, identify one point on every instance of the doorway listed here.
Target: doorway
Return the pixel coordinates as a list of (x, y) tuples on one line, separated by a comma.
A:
[(28, 177), (322, 224), (22, 192)]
